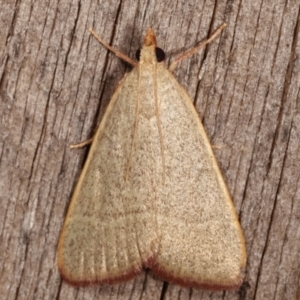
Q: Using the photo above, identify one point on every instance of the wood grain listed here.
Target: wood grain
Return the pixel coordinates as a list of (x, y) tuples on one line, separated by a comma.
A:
[(55, 83)]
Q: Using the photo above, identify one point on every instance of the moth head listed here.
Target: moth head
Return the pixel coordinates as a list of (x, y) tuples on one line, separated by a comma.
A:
[(149, 52)]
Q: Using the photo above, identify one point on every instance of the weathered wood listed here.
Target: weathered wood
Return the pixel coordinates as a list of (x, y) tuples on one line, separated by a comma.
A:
[(55, 82)]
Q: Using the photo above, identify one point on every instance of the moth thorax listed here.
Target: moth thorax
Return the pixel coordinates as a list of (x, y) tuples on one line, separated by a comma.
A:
[(148, 55)]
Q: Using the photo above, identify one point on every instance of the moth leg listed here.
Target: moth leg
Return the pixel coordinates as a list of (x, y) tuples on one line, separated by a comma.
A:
[(82, 144), (218, 147)]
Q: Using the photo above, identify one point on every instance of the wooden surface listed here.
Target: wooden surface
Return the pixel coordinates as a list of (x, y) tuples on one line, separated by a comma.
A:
[(56, 81)]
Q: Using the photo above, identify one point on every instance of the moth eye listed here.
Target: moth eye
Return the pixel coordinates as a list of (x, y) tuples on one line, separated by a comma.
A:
[(160, 54), (138, 54)]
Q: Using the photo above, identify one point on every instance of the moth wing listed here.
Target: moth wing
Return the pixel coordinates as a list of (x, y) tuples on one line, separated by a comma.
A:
[(201, 242), (104, 237)]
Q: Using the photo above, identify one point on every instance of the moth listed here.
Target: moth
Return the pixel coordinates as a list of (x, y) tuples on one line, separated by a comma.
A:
[(151, 193)]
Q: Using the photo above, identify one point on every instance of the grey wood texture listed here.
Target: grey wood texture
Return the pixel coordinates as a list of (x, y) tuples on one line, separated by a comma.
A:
[(56, 81)]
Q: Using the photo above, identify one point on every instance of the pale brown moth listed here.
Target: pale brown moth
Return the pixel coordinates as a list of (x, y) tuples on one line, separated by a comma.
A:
[(151, 193)]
